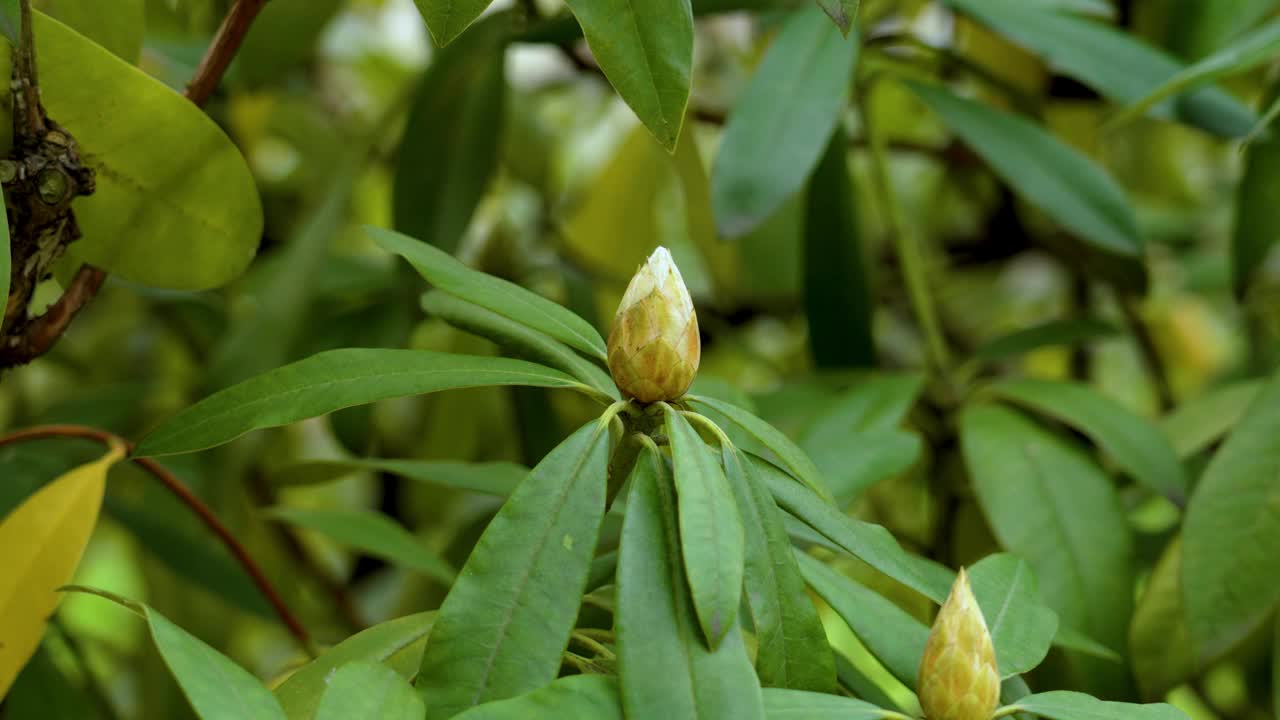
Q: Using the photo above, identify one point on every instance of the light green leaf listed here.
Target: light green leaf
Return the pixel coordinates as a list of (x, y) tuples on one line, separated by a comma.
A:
[(1231, 535), (504, 625), (781, 123), (363, 690), (1047, 502), (331, 381), (489, 478), (645, 48), (6, 258), (300, 693), (780, 704), (1243, 54), (577, 697), (1050, 174), (1198, 423), (844, 13), (1163, 657), (449, 150), (1092, 53), (164, 169), (117, 26), (666, 669), (1257, 229), (372, 533), (1135, 444), (711, 535), (502, 297), (446, 19), (1063, 705), (1022, 627), (1051, 334), (11, 20), (216, 687)]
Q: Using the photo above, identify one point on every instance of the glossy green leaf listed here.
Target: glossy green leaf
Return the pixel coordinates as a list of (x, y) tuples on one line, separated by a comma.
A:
[(372, 533), (449, 150), (1257, 229), (781, 123), (1091, 52), (1163, 657), (1133, 442), (504, 625), (1062, 705), (118, 26), (164, 169), (645, 48), (216, 687), (666, 669), (1022, 627), (518, 339), (780, 704), (1054, 333), (489, 478), (1198, 423), (791, 645), (1046, 501), (711, 535), (330, 381), (792, 457), (446, 19), (364, 689), (300, 693), (837, 296), (844, 13), (508, 299), (1047, 172), (1231, 536), (578, 697), (1241, 55)]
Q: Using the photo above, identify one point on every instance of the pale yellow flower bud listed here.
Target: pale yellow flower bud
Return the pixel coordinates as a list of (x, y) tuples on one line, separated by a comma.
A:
[(654, 346), (958, 677)]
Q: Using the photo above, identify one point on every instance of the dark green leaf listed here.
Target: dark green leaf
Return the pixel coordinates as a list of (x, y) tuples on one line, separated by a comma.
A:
[(711, 534), (446, 19), (283, 37), (1163, 657), (782, 704), (1257, 227), (1050, 174), (782, 121), (331, 381), (844, 13), (6, 255), (118, 26), (1198, 423), (367, 690), (1063, 705), (372, 533), (1051, 334), (491, 478), (11, 22), (1022, 628), (43, 690), (491, 293), (449, 150), (1231, 536), (504, 625), (578, 697)]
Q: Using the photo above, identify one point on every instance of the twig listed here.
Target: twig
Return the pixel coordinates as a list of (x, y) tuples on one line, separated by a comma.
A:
[(223, 50), (30, 85), (197, 506)]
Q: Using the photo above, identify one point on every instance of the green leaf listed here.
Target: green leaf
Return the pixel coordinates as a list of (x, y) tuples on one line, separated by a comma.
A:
[(163, 167), (1199, 28), (645, 48), (791, 456), (446, 19), (1064, 705), (1243, 54), (43, 690), (711, 534), (1051, 334), (1047, 502), (1257, 229), (300, 693), (518, 339), (1093, 53), (118, 26), (504, 625), (364, 689), (1163, 657), (216, 687), (780, 704), (331, 381), (1198, 423), (6, 259), (837, 296), (781, 123), (844, 13), (1022, 627), (791, 645), (11, 20), (284, 36), (489, 478), (1231, 535), (1047, 172), (1135, 444), (502, 297), (449, 150), (665, 668), (578, 697), (372, 533)]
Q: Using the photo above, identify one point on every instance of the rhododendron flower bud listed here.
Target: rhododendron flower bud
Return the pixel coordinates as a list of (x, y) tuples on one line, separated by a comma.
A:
[(654, 346), (958, 676)]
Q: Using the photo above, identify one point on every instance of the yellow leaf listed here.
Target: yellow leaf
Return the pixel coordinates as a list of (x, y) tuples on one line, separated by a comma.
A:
[(43, 539)]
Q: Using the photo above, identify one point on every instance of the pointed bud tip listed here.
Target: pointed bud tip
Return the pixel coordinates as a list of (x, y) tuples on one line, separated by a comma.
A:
[(654, 347), (958, 677)]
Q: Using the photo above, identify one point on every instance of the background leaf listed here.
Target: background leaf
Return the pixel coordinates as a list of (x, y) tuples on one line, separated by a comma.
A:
[(373, 533), (118, 26), (1022, 628), (578, 697), (363, 689), (1257, 230), (491, 478), (446, 19), (1063, 705)]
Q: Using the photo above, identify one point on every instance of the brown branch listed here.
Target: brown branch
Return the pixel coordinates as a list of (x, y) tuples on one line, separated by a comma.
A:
[(188, 498), (40, 335)]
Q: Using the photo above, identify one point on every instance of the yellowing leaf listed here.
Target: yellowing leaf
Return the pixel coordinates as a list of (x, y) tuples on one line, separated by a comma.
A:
[(43, 540)]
